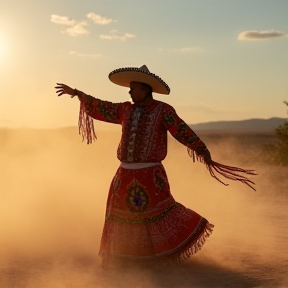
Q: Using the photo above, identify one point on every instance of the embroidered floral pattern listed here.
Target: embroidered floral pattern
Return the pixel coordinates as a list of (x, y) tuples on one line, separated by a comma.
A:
[(182, 132), (137, 198), (144, 129), (149, 144), (169, 119), (160, 179), (102, 110), (134, 217), (132, 135), (108, 111), (144, 220)]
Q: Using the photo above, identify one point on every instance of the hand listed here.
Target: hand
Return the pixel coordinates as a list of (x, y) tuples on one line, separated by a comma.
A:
[(64, 89), (206, 156)]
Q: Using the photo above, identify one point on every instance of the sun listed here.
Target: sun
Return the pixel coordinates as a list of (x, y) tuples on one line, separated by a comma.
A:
[(2, 46)]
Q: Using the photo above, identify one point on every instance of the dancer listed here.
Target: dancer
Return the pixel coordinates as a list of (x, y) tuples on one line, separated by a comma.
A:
[(144, 224)]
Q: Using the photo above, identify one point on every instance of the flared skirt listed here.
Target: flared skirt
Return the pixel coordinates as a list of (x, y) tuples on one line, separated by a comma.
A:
[(144, 223)]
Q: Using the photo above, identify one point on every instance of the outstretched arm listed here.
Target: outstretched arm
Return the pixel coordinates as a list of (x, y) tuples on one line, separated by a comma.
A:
[(197, 149), (91, 107), (96, 108), (185, 135)]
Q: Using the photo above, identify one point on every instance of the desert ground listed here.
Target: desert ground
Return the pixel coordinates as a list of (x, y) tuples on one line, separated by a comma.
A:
[(53, 192)]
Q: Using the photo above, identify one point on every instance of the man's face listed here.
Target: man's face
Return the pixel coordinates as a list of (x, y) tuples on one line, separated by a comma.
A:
[(137, 92)]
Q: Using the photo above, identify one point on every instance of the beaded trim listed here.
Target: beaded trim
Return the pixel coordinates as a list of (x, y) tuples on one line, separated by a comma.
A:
[(133, 69), (145, 220)]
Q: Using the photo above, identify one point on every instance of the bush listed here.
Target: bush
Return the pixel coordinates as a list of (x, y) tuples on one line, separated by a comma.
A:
[(282, 144)]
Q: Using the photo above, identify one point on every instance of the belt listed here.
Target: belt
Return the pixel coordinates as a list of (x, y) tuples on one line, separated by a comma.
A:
[(126, 165)]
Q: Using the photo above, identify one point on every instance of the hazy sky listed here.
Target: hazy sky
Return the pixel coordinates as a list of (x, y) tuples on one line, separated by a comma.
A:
[(223, 59)]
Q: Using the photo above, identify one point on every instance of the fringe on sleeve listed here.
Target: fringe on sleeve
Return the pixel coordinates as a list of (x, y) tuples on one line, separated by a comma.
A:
[(229, 172), (86, 125)]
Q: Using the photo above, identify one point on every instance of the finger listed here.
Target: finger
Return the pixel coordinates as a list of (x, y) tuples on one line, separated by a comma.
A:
[(60, 91), (60, 94), (58, 87), (62, 85)]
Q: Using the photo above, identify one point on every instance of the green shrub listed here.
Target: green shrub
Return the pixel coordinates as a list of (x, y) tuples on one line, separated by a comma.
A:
[(282, 143)]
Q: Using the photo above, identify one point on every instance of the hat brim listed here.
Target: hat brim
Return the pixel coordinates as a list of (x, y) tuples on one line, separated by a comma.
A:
[(124, 78)]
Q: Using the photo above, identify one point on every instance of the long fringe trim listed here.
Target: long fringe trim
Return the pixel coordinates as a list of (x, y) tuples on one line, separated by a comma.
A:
[(229, 172), (160, 262), (86, 125), (187, 250)]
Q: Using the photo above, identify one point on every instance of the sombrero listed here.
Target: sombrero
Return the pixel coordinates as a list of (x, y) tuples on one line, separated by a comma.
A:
[(124, 76)]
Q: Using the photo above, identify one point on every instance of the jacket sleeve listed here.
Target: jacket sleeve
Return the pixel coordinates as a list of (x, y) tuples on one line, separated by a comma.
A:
[(102, 110), (183, 133)]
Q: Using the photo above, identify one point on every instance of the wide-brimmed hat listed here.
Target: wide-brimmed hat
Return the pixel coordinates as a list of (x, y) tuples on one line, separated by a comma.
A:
[(124, 76)]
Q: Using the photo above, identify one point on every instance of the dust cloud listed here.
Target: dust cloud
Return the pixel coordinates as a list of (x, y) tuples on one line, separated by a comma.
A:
[(53, 192)]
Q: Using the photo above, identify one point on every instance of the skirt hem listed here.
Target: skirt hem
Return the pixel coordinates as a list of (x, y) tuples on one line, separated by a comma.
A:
[(176, 258)]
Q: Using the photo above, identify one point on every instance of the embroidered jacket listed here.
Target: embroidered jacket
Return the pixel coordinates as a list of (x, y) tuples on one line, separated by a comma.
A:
[(144, 128)]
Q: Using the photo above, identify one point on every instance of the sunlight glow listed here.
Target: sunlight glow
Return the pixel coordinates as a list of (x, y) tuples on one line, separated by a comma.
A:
[(2, 46)]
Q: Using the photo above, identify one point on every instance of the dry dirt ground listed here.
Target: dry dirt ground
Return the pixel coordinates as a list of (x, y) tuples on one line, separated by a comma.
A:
[(53, 192)]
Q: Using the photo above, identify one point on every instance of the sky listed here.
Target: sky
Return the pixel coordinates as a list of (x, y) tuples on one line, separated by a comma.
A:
[(222, 59)]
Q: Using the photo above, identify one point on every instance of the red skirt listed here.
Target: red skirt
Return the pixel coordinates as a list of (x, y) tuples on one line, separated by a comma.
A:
[(144, 223)]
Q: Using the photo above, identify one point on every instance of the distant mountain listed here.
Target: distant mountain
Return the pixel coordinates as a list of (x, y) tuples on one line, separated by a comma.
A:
[(249, 125)]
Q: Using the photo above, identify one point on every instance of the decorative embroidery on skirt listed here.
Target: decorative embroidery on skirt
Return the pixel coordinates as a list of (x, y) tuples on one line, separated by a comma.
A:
[(137, 198), (160, 179), (144, 220)]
